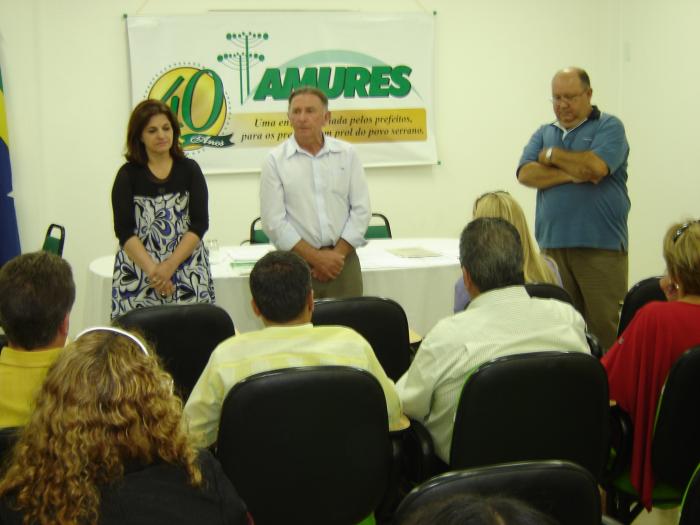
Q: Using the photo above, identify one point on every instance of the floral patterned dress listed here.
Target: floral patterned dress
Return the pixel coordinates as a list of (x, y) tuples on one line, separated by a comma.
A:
[(160, 213)]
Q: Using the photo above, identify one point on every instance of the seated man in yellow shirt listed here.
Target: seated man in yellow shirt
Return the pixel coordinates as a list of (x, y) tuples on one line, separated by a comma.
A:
[(280, 283), (36, 296)]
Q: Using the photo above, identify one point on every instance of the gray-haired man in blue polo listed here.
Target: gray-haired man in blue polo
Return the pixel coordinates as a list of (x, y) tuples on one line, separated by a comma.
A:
[(578, 164)]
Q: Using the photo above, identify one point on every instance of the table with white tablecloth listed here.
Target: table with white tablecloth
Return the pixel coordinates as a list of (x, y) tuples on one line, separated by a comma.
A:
[(419, 274)]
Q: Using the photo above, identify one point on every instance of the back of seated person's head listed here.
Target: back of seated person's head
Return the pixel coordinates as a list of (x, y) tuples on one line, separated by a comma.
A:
[(501, 204), (682, 255), (474, 509), (490, 250), (280, 284), (36, 295), (106, 401)]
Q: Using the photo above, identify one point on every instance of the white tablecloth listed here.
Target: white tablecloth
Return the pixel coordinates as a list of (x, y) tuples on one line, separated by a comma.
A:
[(419, 274)]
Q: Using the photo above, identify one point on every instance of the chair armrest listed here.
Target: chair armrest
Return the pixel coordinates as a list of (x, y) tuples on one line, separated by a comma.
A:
[(597, 349), (418, 453), (620, 441), (394, 490)]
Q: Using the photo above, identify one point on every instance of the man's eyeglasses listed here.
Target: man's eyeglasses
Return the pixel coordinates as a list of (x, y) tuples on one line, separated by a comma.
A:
[(559, 99), (680, 231)]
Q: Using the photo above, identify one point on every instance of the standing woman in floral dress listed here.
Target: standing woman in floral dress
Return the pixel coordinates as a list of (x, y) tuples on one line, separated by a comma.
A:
[(160, 207)]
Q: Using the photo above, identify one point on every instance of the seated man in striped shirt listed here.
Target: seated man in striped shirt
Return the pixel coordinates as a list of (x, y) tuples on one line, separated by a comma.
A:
[(280, 283), (501, 319)]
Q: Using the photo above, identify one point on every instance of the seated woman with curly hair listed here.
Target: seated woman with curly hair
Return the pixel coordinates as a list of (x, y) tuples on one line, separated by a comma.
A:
[(660, 332), (105, 445)]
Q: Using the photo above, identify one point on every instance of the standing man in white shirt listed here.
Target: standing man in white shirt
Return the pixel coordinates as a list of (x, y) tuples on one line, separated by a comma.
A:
[(314, 198)]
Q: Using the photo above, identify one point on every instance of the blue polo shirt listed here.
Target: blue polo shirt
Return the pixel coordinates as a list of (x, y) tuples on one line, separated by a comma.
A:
[(584, 215)]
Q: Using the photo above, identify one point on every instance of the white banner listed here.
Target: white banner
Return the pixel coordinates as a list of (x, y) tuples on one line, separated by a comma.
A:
[(228, 75)]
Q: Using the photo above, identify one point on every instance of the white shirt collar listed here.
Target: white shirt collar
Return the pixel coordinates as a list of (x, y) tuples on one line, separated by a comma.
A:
[(292, 147), (567, 131), (499, 295)]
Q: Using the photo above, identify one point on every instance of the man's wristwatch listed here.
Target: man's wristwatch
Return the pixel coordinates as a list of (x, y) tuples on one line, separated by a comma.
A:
[(548, 155)]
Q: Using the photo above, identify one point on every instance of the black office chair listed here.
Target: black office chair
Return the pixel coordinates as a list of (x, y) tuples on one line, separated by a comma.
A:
[(54, 239), (257, 234), (560, 489), (535, 406), (8, 437), (690, 507), (307, 445), (381, 321), (378, 227), (675, 446), (640, 294), (548, 291), (184, 337)]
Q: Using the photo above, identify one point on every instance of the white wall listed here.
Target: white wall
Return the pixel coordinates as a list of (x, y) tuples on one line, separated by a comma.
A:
[(66, 85), (660, 83)]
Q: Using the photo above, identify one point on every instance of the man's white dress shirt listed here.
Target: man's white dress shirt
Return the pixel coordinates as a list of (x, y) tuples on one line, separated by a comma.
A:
[(317, 198), (499, 322)]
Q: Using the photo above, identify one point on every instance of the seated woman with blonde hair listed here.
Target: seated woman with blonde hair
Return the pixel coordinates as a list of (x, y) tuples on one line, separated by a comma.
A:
[(105, 445), (659, 333), (538, 268)]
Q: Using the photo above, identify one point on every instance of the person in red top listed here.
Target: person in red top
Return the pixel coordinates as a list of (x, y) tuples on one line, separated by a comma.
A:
[(639, 361)]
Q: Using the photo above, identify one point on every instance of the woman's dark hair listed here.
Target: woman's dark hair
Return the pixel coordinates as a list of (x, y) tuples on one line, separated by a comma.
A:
[(140, 116)]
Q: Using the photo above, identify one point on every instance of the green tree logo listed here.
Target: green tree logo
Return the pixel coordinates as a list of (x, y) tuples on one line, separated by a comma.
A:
[(244, 57)]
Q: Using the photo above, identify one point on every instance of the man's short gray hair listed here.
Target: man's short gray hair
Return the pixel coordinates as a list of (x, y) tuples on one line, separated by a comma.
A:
[(490, 250)]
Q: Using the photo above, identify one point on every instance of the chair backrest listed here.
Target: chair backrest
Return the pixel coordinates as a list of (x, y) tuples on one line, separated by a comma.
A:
[(690, 507), (381, 321), (378, 227), (640, 294), (541, 405), (561, 489), (54, 239), (184, 337), (548, 291), (307, 445), (676, 444), (8, 436), (257, 234)]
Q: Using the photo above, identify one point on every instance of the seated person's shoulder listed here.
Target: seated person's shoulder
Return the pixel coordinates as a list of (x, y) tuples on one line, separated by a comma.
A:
[(660, 307), (663, 314), (557, 312), (555, 305), (211, 469), (337, 332), (215, 480)]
